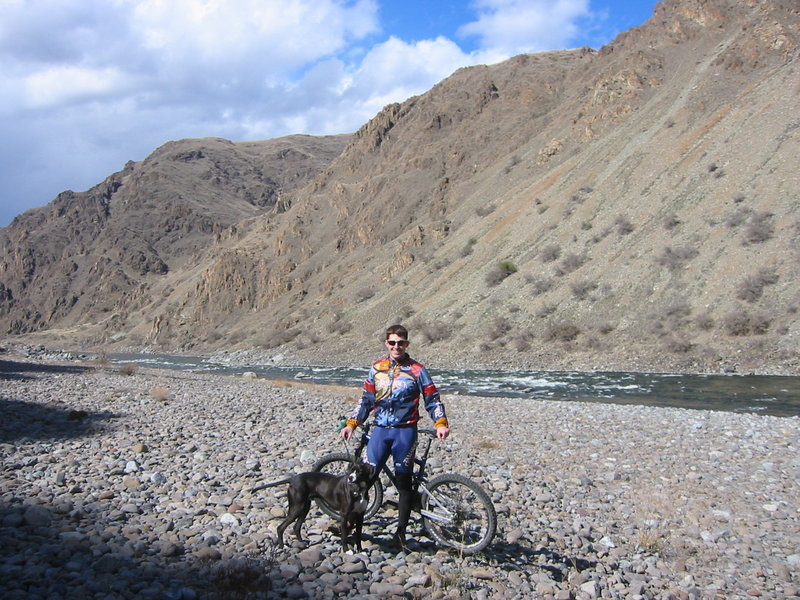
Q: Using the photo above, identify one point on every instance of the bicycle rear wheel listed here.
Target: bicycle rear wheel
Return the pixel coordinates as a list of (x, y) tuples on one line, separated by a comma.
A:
[(457, 513), (337, 464)]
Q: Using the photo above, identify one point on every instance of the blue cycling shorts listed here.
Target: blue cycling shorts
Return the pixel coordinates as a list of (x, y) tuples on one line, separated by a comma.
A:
[(400, 442)]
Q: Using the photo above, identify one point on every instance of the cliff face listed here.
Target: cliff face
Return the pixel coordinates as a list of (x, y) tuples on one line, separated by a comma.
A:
[(634, 207), (94, 256)]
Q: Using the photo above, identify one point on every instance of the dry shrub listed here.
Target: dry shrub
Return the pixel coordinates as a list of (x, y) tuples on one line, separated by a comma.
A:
[(677, 345), (550, 253), (759, 229), (561, 331), (545, 310), (489, 444), (161, 394), (497, 327), (739, 322), (606, 328), (500, 272), (571, 262), (522, 344), (751, 288), (277, 337), (737, 217), (540, 285), (704, 321), (582, 289), (673, 258), (624, 226), (433, 332), (671, 221), (128, 369)]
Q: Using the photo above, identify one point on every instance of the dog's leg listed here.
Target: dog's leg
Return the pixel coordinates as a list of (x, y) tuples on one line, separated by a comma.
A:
[(345, 525), (302, 512), (282, 527)]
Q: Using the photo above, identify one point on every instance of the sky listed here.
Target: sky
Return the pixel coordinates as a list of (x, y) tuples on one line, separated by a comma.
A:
[(86, 85)]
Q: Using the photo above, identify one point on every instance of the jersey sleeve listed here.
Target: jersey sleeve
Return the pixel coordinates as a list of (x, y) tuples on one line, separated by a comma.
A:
[(367, 402), (432, 399)]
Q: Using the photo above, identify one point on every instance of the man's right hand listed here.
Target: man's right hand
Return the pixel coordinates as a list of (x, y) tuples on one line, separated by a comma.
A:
[(347, 433)]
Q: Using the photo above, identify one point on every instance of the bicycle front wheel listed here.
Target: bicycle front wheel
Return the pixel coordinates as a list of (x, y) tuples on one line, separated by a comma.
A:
[(457, 513), (337, 464)]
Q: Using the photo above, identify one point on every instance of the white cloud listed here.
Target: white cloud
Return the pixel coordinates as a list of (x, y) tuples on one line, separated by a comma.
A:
[(517, 26), (64, 84), (90, 84)]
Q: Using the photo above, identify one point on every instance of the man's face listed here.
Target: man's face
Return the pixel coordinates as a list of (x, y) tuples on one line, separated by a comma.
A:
[(396, 346)]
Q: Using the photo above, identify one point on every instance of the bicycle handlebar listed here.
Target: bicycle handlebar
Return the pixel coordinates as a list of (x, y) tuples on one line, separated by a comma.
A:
[(431, 432)]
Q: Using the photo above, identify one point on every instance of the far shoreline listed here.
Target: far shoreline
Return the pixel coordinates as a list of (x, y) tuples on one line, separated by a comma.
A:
[(241, 361)]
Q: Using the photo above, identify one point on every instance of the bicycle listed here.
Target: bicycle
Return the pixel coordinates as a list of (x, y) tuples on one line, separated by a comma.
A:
[(456, 512)]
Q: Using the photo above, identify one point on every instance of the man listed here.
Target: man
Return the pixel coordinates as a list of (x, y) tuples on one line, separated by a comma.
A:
[(392, 391)]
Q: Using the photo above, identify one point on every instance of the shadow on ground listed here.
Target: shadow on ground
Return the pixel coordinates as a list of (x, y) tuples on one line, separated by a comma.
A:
[(33, 421), (63, 551), (16, 369)]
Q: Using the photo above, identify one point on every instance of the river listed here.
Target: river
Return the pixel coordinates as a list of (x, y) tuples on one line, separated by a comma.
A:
[(761, 394)]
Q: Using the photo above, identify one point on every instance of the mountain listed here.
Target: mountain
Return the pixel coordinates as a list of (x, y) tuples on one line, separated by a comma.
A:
[(630, 208)]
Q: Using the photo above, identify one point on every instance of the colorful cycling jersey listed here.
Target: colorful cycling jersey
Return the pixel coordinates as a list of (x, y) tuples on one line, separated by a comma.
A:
[(392, 391)]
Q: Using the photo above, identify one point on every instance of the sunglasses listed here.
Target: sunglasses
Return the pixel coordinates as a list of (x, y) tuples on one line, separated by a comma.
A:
[(397, 342)]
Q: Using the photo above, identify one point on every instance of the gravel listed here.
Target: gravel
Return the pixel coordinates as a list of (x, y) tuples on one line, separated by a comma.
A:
[(137, 486)]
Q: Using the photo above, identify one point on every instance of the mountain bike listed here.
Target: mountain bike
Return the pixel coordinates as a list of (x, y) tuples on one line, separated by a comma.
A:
[(456, 512)]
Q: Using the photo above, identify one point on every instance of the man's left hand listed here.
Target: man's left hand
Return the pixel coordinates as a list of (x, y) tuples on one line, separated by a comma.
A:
[(442, 432)]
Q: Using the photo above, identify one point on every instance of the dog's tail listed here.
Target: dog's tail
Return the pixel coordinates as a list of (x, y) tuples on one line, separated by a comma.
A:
[(263, 486)]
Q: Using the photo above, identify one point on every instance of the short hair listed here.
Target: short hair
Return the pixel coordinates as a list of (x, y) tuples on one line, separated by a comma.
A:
[(397, 330)]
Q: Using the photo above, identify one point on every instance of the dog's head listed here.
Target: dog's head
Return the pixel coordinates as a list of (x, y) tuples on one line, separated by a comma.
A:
[(360, 473)]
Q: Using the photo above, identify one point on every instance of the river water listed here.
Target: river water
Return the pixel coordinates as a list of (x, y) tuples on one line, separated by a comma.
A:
[(762, 394)]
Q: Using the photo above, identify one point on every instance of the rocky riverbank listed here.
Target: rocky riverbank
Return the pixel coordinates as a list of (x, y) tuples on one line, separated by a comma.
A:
[(136, 485)]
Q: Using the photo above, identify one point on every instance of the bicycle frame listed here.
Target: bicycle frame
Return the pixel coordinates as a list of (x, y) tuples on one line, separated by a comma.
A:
[(418, 474), (455, 511)]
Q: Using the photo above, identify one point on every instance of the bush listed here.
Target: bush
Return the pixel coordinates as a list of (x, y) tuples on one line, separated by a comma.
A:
[(562, 331), (751, 288), (540, 285), (582, 289), (500, 272), (161, 394), (273, 338), (704, 321), (550, 253), (624, 226), (522, 344), (571, 262), (759, 229), (741, 323), (606, 328), (673, 258), (737, 217), (545, 310), (671, 221), (128, 369), (497, 328), (433, 332), (678, 345)]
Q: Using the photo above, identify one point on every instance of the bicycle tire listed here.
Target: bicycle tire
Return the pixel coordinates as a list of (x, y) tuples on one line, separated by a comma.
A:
[(458, 514), (337, 463)]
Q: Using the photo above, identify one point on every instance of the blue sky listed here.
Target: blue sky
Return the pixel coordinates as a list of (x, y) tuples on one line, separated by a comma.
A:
[(90, 84)]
